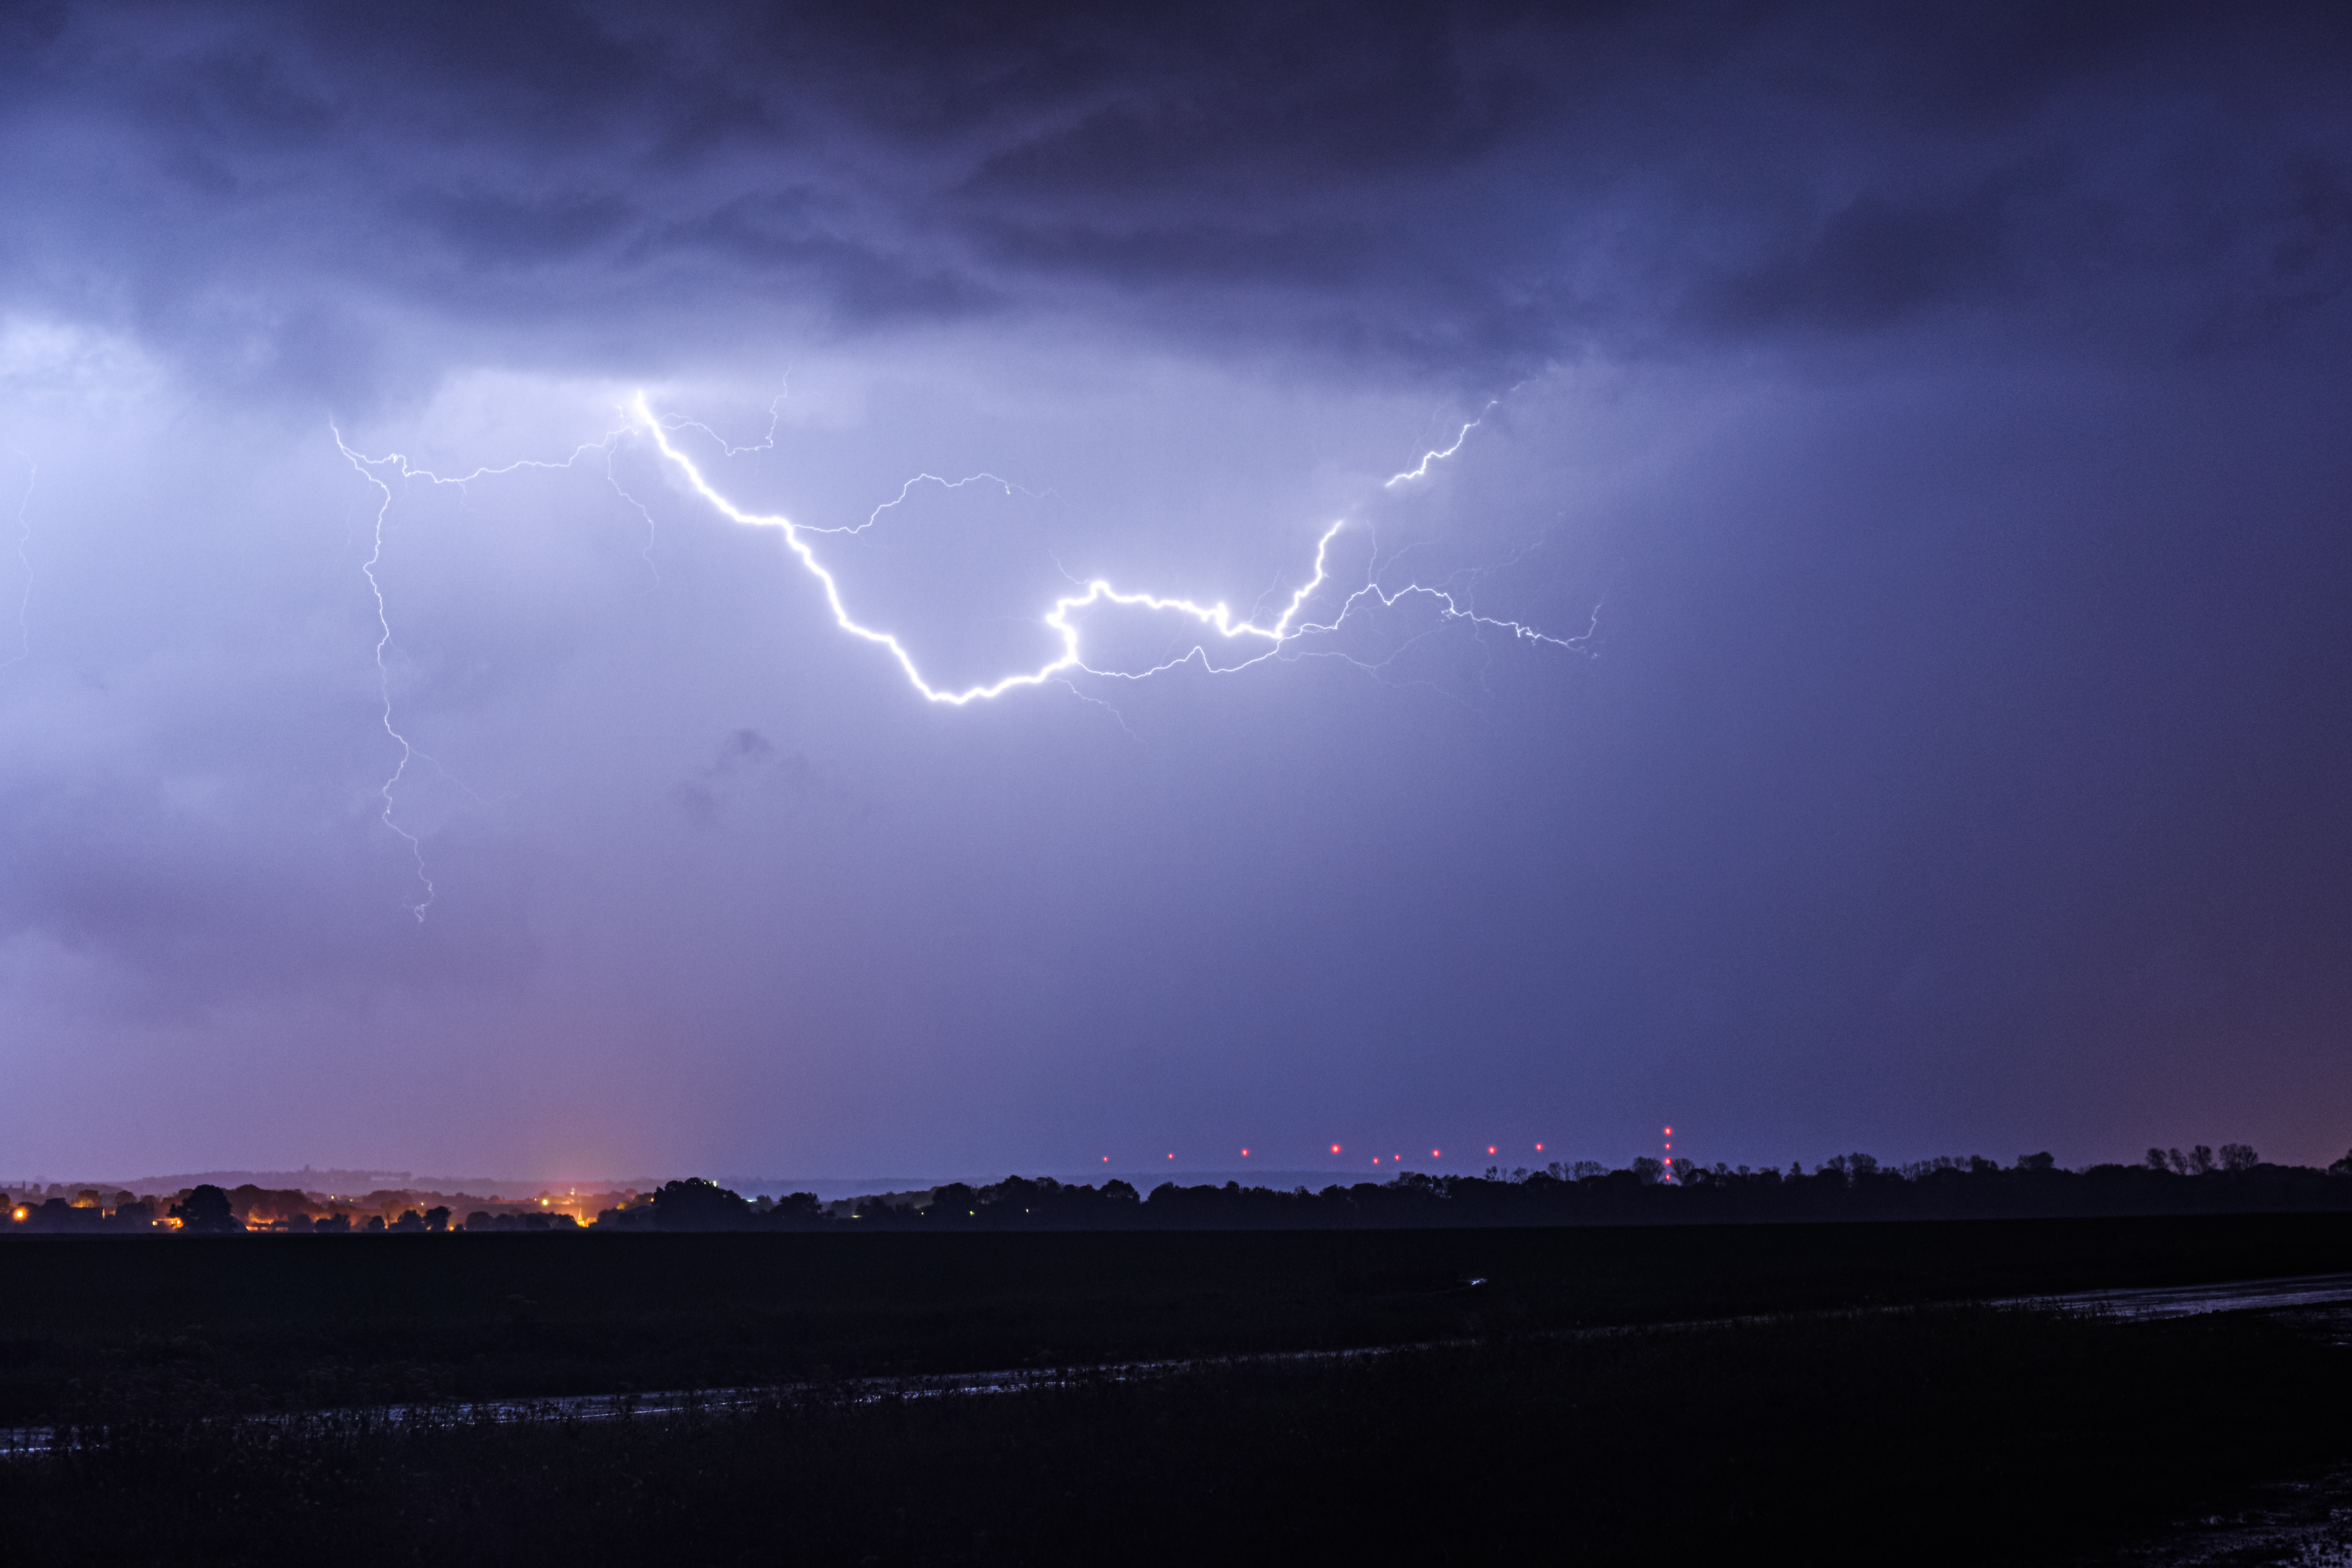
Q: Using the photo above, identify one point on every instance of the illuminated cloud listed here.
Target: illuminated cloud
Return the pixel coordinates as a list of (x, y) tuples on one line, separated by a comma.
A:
[(1942, 407)]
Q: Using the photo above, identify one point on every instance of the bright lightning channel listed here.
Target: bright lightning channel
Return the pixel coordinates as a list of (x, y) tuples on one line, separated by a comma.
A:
[(1268, 640), (1421, 470), (1287, 628)]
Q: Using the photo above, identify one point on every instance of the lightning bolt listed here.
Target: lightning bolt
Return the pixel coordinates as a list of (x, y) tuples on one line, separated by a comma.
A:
[(1266, 640), (1097, 592), (908, 488), (1421, 470), (1262, 641), (384, 676), (366, 467), (766, 443)]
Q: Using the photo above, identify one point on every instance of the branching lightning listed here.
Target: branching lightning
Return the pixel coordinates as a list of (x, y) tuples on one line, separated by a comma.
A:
[(366, 467), (1258, 639), (908, 488), (1097, 592), (1266, 640), (766, 443), (1421, 470), (384, 676)]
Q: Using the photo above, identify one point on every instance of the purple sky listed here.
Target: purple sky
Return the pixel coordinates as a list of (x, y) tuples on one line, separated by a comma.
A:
[(1925, 435)]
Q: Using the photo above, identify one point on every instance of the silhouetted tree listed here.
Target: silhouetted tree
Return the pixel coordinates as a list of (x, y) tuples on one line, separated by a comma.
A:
[(2239, 1157), (698, 1204), (2045, 1161), (622, 1216), (2155, 1161), (206, 1212), (436, 1218)]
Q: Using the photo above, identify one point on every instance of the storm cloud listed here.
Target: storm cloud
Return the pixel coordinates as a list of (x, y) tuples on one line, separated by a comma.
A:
[(1464, 195), (1920, 430)]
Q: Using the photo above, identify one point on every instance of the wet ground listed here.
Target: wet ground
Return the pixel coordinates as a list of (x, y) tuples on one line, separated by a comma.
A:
[(2190, 1300), (2303, 1522), (2324, 1301)]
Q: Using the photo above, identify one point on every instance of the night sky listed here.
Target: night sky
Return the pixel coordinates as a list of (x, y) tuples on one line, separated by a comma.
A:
[(1873, 674)]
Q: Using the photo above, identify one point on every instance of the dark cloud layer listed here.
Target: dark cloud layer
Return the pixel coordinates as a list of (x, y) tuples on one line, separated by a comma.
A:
[(1465, 193)]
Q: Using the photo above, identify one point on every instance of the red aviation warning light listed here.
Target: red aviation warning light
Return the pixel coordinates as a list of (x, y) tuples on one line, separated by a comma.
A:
[(1334, 1148)]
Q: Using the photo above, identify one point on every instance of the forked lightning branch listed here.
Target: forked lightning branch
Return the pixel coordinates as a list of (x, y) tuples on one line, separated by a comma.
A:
[(1253, 640)]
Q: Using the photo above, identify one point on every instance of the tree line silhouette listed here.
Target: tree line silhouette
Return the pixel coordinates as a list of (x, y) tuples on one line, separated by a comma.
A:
[(1646, 1192), (1848, 1186)]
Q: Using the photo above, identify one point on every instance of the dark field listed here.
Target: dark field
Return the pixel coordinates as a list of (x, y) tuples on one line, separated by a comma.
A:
[(1932, 1435), (97, 1328)]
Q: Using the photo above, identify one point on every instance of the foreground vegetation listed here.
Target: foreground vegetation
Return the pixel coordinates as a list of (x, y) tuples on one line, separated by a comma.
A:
[(1967, 1434)]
